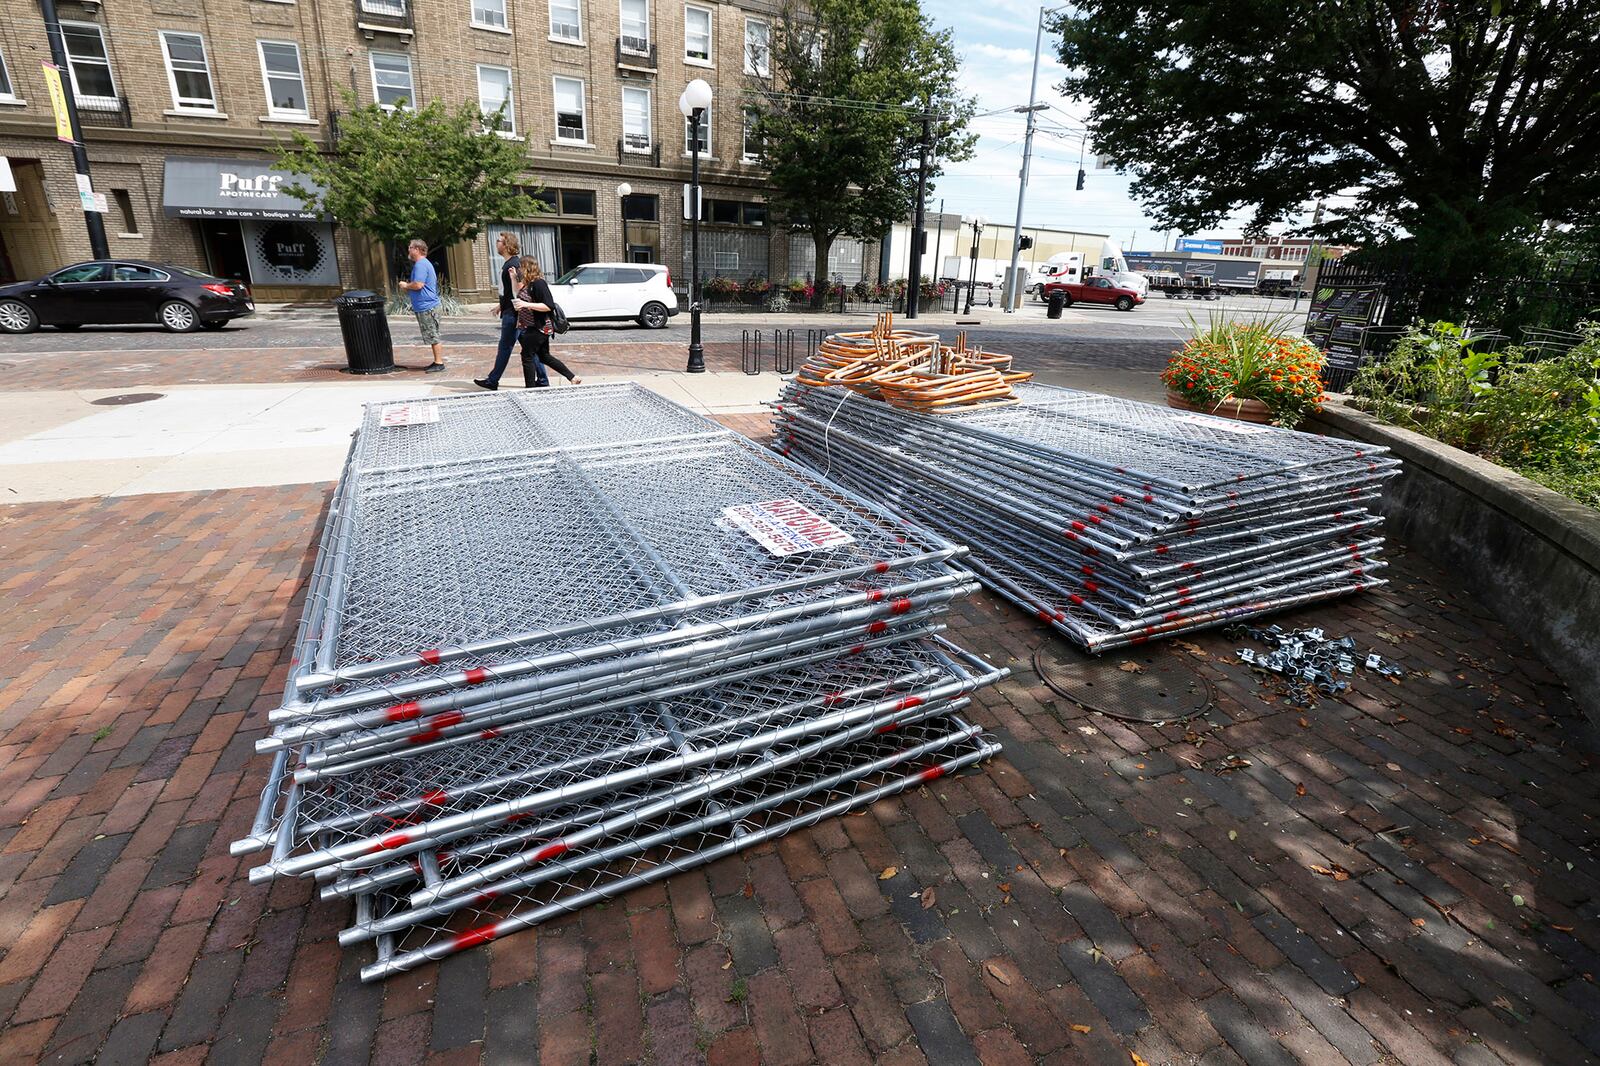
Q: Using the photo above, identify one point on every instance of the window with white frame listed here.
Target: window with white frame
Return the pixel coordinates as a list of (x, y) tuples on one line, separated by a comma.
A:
[(392, 85), (188, 73), (285, 81), (494, 92), (751, 144), (697, 35), (569, 110), (88, 64), (566, 20), (489, 14), (635, 119), (704, 131), (8, 91), (636, 26), (757, 47)]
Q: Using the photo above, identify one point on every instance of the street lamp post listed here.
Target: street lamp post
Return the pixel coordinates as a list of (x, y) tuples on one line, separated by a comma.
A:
[(623, 192), (694, 103), (972, 282)]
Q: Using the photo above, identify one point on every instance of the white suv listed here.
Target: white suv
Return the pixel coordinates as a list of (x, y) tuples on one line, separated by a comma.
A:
[(617, 291)]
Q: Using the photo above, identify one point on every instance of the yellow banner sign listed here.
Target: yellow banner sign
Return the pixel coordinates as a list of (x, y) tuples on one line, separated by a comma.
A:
[(58, 102)]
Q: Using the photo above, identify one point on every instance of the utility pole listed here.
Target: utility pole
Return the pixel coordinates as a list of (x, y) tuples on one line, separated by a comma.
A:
[(92, 220), (1032, 109), (919, 224)]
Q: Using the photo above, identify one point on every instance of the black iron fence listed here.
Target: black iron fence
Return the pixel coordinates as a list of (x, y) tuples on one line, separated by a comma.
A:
[(1362, 305)]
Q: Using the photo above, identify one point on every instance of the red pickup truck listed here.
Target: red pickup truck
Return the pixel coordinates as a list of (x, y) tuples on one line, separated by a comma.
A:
[(1094, 291)]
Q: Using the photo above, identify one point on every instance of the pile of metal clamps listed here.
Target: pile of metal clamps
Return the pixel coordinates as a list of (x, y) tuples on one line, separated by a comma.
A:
[(1114, 521), (910, 370), (559, 645)]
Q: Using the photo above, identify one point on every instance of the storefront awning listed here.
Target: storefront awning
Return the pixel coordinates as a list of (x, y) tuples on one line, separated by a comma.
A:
[(231, 188)]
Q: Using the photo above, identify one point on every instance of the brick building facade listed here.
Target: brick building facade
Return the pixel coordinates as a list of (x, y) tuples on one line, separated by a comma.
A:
[(183, 103)]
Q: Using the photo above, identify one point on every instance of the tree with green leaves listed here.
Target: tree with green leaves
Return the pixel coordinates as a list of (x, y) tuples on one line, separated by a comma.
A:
[(1466, 125), (839, 119), (432, 172)]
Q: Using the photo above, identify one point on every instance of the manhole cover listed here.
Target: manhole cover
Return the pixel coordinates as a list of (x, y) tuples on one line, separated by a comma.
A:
[(125, 398), (1146, 685)]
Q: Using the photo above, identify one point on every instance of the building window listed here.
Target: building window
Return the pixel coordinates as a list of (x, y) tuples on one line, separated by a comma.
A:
[(735, 213), (494, 93), (757, 47), (577, 202), (489, 14), (391, 80), (88, 64), (697, 35), (124, 202), (563, 201), (286, 85), (641, 208), (566, 20), (704, 131), (569, 110), (7, 91), (188, 73), (636, 26), (636, 120), (750, 151), (391, 8)]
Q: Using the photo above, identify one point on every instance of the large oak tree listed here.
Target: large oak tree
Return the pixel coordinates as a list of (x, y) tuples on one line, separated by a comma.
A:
[(1465, 124), (839, 115)]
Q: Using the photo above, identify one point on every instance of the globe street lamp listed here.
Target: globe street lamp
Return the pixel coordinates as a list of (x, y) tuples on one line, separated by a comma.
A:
[(694, 103), (977, 228)]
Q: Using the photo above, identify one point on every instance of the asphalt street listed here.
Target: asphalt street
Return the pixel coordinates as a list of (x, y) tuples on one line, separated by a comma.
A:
[(1158, 322)]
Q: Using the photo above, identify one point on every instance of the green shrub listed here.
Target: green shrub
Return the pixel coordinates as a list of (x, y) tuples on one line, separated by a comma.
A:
[(1540, 416)]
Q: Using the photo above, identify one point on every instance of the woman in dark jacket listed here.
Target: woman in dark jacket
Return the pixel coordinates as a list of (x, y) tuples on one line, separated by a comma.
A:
[(533, 302)]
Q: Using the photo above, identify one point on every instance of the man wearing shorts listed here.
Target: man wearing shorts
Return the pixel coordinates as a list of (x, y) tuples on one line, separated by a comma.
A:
[(424, 289)]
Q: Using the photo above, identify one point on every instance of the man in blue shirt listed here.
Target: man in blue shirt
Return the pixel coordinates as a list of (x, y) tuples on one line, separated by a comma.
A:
[(424, 289)]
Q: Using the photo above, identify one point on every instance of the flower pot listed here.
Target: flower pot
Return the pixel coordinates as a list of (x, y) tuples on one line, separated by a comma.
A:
[(1238, 410)]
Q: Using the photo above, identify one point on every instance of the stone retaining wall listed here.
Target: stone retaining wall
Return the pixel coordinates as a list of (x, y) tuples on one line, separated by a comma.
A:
[(1531, 554)]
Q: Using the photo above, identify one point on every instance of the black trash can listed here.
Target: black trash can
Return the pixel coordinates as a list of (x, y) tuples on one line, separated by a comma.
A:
[(1058, 300), (367, 346)]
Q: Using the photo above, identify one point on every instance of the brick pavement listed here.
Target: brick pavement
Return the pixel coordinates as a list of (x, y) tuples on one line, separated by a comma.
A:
[(1095, 894), (24, 371)]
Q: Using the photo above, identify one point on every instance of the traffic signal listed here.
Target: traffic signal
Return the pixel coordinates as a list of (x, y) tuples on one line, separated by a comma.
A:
[(1081, 176), (1025, 242)]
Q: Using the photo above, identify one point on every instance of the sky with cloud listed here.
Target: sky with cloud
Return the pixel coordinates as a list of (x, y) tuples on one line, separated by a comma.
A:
[(995, 39)]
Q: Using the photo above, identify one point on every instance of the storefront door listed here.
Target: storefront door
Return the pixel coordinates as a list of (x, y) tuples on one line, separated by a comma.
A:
[(225, 254)]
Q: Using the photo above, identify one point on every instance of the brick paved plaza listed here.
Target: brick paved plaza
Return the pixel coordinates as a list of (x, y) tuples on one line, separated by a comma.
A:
[(1097, 891)]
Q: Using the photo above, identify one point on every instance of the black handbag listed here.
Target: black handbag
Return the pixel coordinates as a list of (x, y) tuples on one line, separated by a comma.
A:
[(558, 318)]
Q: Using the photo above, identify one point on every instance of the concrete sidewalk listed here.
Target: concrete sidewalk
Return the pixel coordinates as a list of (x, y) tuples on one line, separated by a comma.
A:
[(62, 445)]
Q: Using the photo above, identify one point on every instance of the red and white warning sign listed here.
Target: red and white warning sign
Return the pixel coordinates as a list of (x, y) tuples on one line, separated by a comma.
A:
[(409, 414), (787, 527)]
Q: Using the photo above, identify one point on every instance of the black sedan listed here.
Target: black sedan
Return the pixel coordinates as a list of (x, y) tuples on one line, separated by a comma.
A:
[(110, 292)]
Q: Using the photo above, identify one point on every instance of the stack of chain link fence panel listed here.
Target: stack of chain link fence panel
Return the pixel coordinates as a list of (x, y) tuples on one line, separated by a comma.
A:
[(1112, 520), (556, 646)]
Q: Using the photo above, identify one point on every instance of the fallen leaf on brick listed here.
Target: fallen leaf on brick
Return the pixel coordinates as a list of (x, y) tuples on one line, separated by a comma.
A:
[(1299, 790), (728, 965), (1004, 886), (1401, 718), (1474, 841), (1305, 723), (1233, 834), (1394, 766), (1137, 1061), (1465, 731), (1081, 1028), (1338, 873), (1130, 668), (1096, 954), (1419, 922), (888, 872), (749, 890), (1561, 928), (997, 973), (928, 898)]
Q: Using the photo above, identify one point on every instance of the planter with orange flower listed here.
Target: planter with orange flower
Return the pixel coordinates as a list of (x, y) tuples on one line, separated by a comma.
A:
[(1253, 371)]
